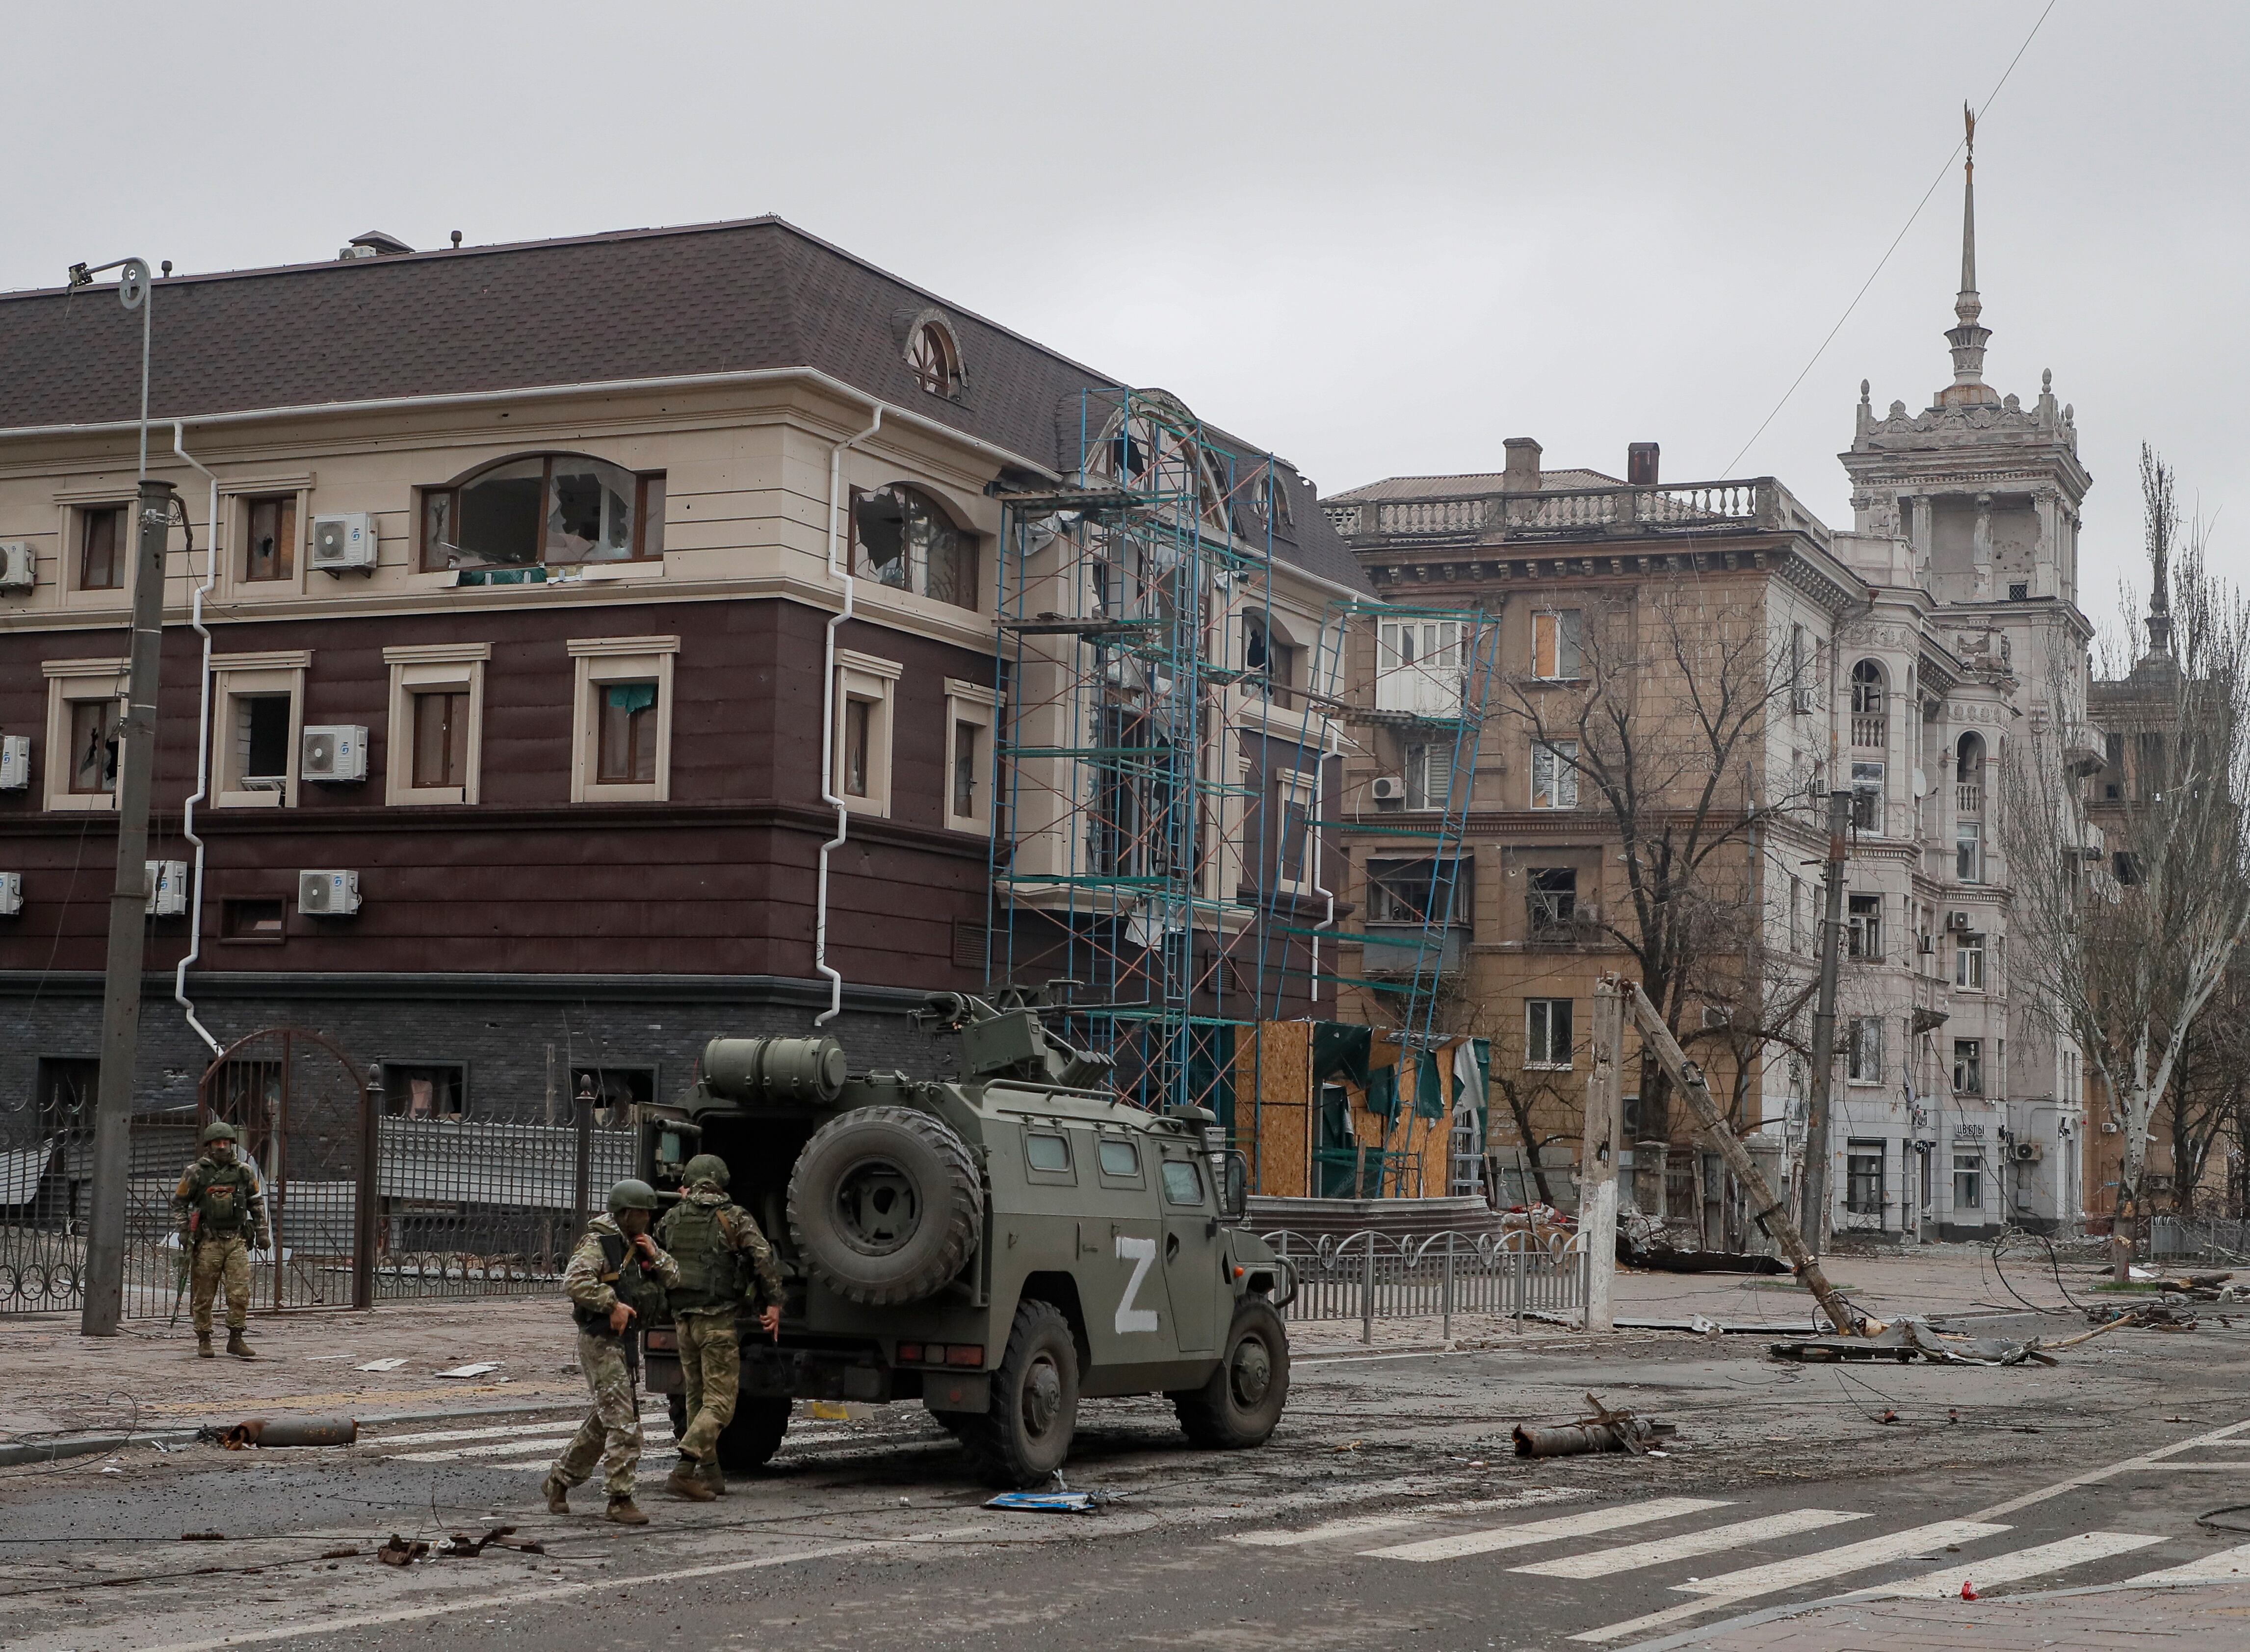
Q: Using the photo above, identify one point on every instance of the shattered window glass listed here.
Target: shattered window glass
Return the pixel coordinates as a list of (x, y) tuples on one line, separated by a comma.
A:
[(589, 510), (552, 509), (903, 539)]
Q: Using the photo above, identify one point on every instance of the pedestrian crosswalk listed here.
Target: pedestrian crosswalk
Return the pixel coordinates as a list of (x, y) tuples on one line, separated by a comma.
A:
[(1974, 1552)]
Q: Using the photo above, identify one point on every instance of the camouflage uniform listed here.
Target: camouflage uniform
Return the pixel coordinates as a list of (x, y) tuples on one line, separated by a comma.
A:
[(225, 1193), (611, 1433), (710, 1339)]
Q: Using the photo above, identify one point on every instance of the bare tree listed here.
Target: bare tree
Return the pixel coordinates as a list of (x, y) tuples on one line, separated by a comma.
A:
[(2125, 959), (1663, 729)]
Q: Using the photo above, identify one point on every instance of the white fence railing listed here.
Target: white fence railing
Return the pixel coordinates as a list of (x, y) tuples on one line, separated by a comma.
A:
[(1368, 1276)]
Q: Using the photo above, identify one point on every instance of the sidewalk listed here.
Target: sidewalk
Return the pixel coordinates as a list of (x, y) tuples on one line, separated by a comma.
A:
[(2096, 1619)]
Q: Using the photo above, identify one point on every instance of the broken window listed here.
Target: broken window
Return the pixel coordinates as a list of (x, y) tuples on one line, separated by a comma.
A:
[(261, 741), (270, 548), (966, 759), (1863, 1178), (1863, 1063), (1867, 927), (1555, 773), (902, 538), (1968, 1067), (1556, 639), (1416, 891), (102, 549), (1552, 896), (1968, 1178), (1867, 798), (625, 735), (554, 510), (94, 745), (1547, 1032), (858, 744), (441, 738), (1429, 776), (424, 1088)]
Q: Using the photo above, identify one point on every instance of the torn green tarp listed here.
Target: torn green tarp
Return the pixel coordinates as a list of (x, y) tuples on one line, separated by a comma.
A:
[(1383, 1092), (1340, 1050), (632, 697), (1429, 1085), (1482, 1094)]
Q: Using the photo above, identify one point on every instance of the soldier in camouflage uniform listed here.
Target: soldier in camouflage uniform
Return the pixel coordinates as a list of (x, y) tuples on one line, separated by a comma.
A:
[(221, 1216), (616, 1277), (725, 1265)]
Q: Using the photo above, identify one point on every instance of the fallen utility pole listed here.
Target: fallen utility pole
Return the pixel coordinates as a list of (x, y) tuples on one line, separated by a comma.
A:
[(1770, 1213), (1813, 1219)]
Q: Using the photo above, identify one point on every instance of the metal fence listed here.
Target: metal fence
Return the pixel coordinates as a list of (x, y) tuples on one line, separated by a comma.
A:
[(2211, 1238), (1370, 1275)]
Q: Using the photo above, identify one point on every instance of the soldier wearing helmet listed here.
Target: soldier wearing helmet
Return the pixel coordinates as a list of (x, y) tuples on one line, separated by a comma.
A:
[(220, 1213), (724, 1265), (615, 1278)]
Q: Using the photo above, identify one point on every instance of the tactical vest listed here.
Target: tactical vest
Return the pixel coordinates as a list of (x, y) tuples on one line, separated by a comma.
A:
[(623, 1273), (222, 1200), (710, 1276)]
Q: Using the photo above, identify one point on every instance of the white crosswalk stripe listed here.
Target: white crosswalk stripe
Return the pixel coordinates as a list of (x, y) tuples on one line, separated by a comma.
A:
[(495, 1448), (1361, 1526), (380, 1442), (2224, 1566), (1536, 1531), (1601, 1563), (2087, 1546)]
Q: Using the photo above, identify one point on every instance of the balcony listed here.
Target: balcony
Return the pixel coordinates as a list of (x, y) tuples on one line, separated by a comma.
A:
[(1870, 730), (1968, 798), (1749, 505), (2085, 749), (1399, 952)]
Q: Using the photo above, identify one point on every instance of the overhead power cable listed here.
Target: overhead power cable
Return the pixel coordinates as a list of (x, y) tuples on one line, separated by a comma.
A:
[(1943, 173)]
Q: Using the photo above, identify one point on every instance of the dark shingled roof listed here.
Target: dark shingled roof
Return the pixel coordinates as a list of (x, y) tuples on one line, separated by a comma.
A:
[(628, 305)]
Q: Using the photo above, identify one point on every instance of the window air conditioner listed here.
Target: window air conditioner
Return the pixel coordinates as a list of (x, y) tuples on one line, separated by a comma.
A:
[(334, 752), (1800, 700), (2026, 1152), (16, 572), (1958, 923), (328, 894), (11, 894), (15, 763), (344, 544), (1390, 788), (167, 888)]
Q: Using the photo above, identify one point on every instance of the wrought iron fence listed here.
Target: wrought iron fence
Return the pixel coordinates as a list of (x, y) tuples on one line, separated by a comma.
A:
[(1370, 1275), (2211, 1238)]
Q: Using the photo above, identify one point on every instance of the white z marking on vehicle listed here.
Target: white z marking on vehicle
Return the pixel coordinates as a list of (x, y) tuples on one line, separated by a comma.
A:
[(1141, 1253)]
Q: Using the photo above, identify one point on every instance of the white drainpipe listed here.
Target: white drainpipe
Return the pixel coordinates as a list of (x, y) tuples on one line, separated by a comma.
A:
[(203, 745), (841, 570)]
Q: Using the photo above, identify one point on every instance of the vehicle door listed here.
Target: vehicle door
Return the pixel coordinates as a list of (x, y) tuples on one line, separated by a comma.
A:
[(1130, 1319), (1191, 1245)]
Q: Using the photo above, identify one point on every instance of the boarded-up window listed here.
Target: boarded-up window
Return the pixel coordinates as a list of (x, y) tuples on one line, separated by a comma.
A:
[(1555, 643), (441, 738), (270, 552)]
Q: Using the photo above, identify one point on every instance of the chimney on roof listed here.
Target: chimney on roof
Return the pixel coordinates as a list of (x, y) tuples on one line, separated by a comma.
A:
[(1640, 464), (1523, 473)]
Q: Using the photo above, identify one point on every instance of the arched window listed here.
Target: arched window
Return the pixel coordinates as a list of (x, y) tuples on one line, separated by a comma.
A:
[(1870, 715), (1970, 767), (903, 538), (1155, 446), (934, 359), (542, 510)]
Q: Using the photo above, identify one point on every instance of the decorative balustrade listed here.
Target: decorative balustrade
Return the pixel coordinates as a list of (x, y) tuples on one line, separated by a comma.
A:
[(1968, 798), (1572, 512), (1870, 729)]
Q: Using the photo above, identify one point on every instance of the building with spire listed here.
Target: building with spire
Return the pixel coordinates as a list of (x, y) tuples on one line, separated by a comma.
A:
[(1901, 658)]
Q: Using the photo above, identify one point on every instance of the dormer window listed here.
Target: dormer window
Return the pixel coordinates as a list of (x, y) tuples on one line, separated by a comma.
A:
[(934, 359), (547, 510)]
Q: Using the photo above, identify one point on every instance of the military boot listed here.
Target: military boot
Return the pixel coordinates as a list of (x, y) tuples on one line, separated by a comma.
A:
[(202, 1346), (686, 1481), (557, 1495), (236, 1347), (715, 1476), (625, 1511)]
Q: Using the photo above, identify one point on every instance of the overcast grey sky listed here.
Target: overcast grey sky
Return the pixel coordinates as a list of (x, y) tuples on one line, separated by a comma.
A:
[(1376, 238)]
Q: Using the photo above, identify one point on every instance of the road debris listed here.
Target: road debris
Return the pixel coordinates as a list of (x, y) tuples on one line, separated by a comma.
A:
[(461, 1546), (380, 1364), (474, 1368), (1046, 1502), (399, 1551), (282, 1431), (1606, 1431), (1906, 1340)]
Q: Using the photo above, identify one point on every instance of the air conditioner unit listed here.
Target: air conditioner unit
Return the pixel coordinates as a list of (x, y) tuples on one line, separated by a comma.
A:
[(1926, 944), (1800, 700), (11, 894), (1390, 788), (328, 894), (15, 763), (344, 544), (15, 573), (167, 888), (1957, 923), (2027, 1153), (334, 752)]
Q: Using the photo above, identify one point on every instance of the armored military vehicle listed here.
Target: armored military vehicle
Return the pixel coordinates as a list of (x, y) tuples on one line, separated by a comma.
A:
[(998, 1246)]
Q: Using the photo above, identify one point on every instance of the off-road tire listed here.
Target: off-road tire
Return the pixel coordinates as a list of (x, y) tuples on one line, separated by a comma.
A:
[(1241, 1404), (1026, 1435), (754, 1434), (884, 1205)]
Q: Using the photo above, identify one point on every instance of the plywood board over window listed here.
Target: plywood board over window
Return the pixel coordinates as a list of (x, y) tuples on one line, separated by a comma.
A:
[(435, 744), (621, 719)]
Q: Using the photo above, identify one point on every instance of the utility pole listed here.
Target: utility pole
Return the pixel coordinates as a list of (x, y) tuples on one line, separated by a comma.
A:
[(103, 1302), (1598, 1158), (1814, 1205)]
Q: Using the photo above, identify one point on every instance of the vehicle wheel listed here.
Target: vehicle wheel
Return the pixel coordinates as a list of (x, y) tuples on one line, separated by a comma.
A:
[(1026, 1436), (884, 1205), (676, 1404), (1242, 1403), (754, 1434)]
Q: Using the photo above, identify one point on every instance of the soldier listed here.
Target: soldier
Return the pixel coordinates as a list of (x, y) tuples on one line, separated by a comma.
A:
[(724, 1263), (217, 1204), (615, 1276)]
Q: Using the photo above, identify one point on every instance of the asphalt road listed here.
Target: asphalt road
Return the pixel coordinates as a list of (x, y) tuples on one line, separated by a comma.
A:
[(1386, 1513)]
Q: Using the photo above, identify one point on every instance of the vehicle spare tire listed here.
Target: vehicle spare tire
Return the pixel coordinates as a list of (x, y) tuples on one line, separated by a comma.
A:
[(884, 1205)]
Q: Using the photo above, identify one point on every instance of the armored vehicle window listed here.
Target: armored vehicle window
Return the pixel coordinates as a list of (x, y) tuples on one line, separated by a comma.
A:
[(1047, 1153), (1183, 1182), (1120, 1158)]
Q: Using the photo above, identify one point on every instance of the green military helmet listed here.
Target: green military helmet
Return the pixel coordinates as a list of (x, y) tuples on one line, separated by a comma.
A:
[(631, 1194), (218, 1130), (705, 1167)]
